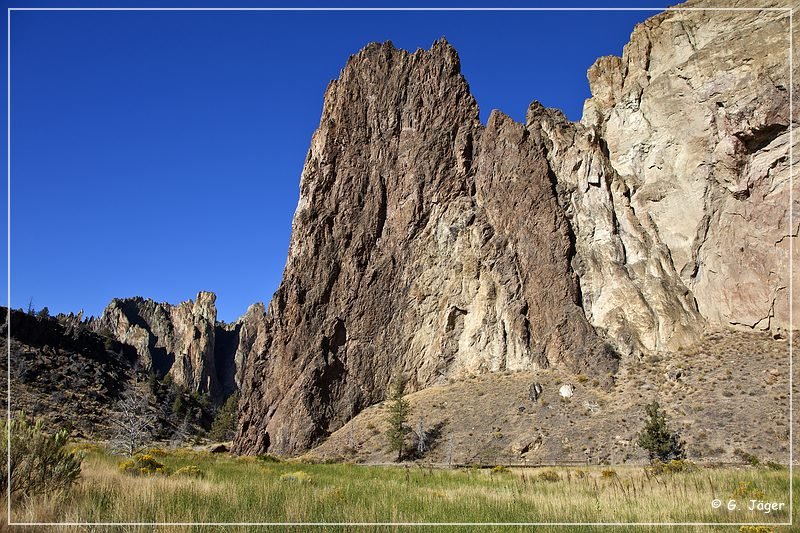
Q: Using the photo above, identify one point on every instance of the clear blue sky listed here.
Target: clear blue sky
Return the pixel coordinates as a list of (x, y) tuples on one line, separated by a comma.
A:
[(159, 153)]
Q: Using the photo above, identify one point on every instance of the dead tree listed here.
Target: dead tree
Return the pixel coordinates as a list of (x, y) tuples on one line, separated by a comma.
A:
[(182, 433), (133, 422), (422, 437), (450, 450)]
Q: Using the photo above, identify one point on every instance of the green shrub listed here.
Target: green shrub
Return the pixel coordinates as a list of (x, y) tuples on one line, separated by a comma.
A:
[(671, 467), (179, 406), (200, 399), (224, 425), (500, 469), (143, 465), (40, 461), (189, 471), (748, 458), (296, 477), (772, 465), (550, 476), (661, 443)]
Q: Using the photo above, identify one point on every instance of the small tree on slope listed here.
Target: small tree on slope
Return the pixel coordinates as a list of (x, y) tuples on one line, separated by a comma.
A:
[(661, 443), (399, 411)]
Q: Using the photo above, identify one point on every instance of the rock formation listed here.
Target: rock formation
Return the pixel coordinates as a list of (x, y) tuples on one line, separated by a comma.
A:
[(409, 254), (427, 245), (694, 118), (64, 374), (185, 340)]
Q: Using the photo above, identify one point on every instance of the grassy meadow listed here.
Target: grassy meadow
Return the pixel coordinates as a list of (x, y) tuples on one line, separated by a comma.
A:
[(204, 487)]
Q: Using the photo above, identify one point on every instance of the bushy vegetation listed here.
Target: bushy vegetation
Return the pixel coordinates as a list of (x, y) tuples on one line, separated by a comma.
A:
[(747, 457), (549, 476), (296, 477), (146, 464), (674, 466), (40, 463), (143, 464), (224, 425), (188, 471), (662, 444)]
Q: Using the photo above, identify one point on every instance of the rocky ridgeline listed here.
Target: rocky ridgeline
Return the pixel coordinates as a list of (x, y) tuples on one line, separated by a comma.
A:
[(185, 341), (64, 373), (429, 245)]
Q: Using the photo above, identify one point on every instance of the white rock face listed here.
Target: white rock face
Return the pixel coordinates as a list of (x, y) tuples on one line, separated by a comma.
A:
[(695, 120), (630, 289), (677, 183)]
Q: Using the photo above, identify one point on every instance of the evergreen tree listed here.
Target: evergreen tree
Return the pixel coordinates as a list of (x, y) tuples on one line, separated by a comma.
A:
[(399, 411), (661, 443), (224, 425)]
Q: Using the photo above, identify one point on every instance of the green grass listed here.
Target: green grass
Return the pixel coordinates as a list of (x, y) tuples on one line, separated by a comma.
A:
[(232, 489)]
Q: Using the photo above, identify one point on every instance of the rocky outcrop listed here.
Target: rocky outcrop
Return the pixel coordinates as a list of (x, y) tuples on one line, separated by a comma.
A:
[(694, 118), (408, 255), (184, 341), (238, 342), (630, 290), (64, 374), (427, 245)]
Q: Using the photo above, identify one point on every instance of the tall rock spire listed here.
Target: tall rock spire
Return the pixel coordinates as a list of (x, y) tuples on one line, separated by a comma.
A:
[(422, 245)]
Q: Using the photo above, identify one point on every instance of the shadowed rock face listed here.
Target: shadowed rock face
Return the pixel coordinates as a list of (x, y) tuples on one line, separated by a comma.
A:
[(423, 245), (170, 339), (185, 341)]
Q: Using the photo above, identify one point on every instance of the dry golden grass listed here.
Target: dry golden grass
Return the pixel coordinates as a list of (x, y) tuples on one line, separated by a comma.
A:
[(245, 489)]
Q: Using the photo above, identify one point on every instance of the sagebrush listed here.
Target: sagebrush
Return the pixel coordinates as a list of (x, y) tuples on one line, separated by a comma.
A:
[(40, 462)]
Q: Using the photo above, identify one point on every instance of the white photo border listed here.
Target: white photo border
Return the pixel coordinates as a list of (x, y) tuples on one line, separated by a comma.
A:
[(788, 10)]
